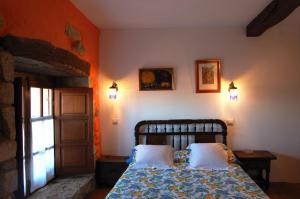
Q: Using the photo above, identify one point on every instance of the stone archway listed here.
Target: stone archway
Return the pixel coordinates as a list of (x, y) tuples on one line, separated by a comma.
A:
[(26, 55)]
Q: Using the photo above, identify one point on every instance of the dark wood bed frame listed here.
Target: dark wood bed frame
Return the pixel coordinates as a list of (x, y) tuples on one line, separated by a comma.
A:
[(180, 132)]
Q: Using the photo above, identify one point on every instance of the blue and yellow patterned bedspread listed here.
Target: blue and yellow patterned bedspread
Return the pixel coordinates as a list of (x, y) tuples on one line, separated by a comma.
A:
[(182, 182)]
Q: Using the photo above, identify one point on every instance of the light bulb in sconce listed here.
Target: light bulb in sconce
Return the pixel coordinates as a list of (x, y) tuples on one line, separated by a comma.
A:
[(113, 91), (233, 92)]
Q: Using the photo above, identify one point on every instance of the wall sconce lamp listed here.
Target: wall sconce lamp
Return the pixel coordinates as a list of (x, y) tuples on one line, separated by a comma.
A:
[(113, 90), (233, 92)]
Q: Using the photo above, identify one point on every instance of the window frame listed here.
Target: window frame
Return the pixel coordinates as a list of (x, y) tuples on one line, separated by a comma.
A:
[(28, 81), (42, 117), (35, 119)]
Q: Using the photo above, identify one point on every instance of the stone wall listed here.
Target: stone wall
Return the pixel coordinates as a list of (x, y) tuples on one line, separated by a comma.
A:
[(8, 145)]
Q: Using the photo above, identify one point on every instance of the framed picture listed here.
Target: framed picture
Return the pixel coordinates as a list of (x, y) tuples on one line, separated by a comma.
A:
[(208, 76), (156, 79)]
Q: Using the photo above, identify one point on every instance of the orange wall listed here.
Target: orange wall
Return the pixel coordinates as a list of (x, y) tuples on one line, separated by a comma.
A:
[(46, 20)]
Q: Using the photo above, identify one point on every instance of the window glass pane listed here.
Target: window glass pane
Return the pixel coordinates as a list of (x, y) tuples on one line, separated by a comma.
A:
[(50, 102), (43, 153), (24, 159), (24, 176), (49, 133), (23, 103), (23, 137), (49, 155), (39, 172), (42, 135), (47, 102), (35, 102), (38, 137)]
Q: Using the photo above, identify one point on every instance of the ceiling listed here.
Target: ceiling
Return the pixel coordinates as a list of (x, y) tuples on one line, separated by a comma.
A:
[(135, 14)]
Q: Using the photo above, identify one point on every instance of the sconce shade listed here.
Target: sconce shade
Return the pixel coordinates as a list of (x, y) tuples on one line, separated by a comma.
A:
[(113, 90), (233, 92)]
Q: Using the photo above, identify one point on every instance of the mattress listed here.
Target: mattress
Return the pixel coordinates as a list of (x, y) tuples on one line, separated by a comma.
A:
[(184, 182)]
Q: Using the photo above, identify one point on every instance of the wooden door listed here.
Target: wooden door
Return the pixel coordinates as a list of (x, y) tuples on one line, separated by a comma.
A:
[(73, 114)]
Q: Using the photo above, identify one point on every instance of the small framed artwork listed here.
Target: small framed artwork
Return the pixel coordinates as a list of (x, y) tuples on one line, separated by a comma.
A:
[(156, 79), (208, 78)]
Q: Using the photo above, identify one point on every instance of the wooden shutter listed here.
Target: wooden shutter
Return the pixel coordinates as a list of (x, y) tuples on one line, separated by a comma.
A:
[(73, 114)]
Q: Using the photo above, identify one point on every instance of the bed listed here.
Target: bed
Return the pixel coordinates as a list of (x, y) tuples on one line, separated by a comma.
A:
[(181, 181)]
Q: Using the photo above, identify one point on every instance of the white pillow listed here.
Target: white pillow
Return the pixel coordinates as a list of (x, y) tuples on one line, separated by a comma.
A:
[(153, 156), (208, 156)]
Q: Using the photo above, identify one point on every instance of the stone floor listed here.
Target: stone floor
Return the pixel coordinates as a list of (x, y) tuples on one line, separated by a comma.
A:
[(74, 187)]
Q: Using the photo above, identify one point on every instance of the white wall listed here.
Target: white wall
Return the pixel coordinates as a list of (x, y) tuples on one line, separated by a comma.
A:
[(265, 69)]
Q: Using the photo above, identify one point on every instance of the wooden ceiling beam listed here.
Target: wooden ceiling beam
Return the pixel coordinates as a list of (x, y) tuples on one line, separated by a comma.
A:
[(274, 13)]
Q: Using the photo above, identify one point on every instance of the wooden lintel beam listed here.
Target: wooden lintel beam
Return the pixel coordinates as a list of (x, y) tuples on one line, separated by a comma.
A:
[(44, 52), (274, 13)]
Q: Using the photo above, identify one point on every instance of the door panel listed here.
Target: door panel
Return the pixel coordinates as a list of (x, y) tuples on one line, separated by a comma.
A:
[(73, 131), (74, 156), (78, 105)]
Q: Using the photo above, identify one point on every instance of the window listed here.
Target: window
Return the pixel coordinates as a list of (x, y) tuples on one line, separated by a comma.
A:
[(37, 152), (42, 137)]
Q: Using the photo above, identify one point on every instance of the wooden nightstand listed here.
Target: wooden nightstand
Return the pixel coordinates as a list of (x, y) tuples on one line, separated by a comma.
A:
[(255, 163), (109, 169)]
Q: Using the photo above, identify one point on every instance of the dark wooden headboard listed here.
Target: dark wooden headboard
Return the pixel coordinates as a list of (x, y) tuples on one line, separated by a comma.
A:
[(180, 133)]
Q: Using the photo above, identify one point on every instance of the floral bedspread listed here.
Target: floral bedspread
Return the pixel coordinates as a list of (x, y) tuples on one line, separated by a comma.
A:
[(183, 182)]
